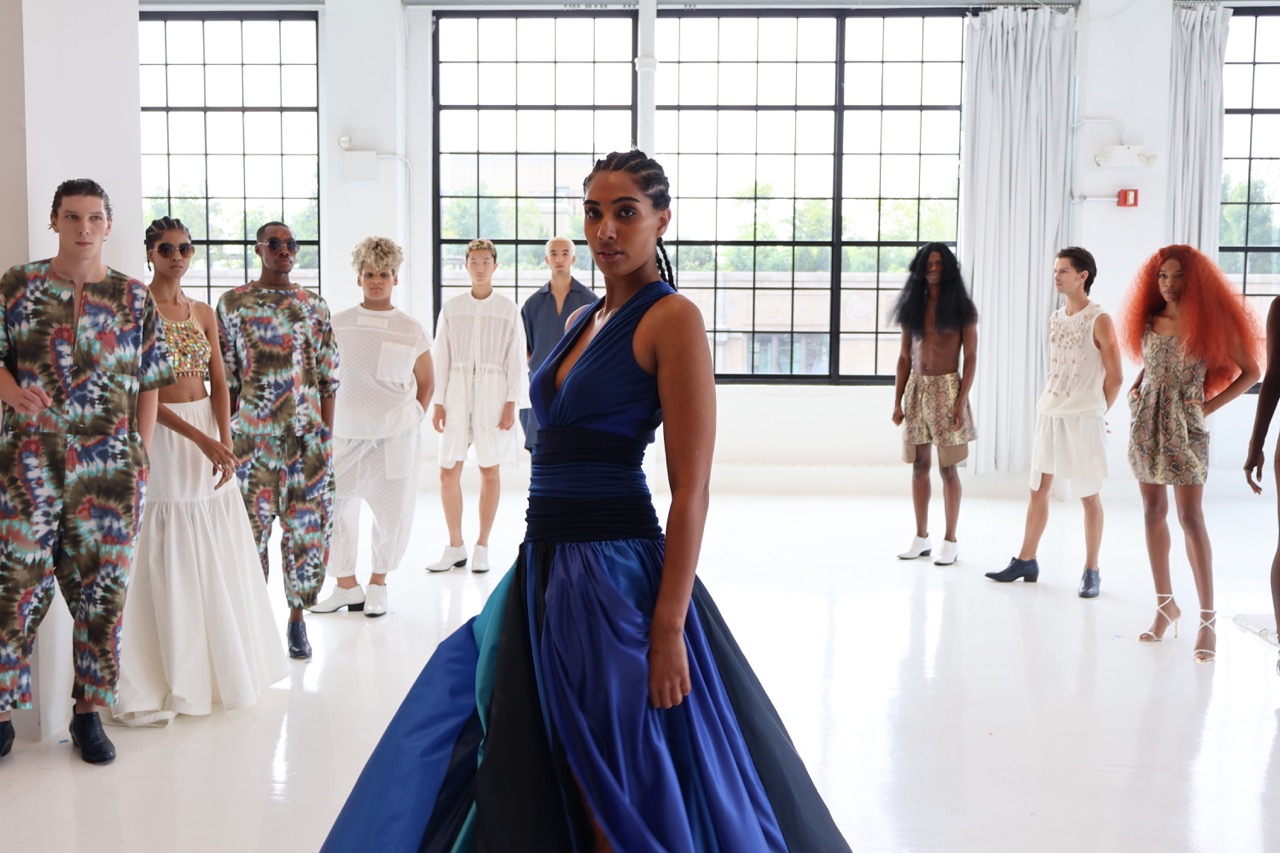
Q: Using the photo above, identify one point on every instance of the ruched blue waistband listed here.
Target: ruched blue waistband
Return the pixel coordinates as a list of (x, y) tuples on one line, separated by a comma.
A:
[(587, 486)]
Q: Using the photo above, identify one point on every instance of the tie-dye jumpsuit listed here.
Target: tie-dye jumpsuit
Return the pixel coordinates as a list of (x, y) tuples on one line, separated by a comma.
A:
[(73, 476), (281, 359)]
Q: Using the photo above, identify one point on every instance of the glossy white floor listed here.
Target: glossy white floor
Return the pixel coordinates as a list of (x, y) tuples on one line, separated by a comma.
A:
[(936, 709)]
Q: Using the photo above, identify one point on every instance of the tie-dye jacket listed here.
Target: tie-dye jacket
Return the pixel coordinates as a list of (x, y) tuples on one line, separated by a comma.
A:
[(93, 370), (280, 356)]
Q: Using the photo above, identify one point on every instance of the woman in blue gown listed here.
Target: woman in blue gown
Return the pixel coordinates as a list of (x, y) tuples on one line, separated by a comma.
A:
[(599, 702)]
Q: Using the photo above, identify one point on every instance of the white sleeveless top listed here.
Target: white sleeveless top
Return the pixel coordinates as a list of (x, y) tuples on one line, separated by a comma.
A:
[(1075, 365)]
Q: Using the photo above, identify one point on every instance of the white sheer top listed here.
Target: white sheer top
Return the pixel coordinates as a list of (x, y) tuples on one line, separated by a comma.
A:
[(480, 341), (379, 393)]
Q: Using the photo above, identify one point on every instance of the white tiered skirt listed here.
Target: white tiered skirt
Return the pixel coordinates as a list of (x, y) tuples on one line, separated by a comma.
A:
[(198, 628)]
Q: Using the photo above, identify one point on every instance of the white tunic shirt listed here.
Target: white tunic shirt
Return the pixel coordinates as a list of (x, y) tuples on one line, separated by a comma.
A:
[(379, 392), (480, 366)]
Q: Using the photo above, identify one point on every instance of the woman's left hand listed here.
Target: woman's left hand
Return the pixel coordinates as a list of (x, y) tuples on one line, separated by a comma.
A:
[(668, 668)]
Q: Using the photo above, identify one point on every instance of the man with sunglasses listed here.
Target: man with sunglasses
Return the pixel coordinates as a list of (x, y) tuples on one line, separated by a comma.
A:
[(281, 362), (81, 364)]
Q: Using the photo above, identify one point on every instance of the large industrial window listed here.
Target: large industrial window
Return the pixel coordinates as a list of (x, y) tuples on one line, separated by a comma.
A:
[(230, 135), (810, 153), (525, 105), (1249, 239), (813, 154)]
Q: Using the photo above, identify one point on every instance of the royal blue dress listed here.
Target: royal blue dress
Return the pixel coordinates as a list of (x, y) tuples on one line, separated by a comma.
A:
[(543, 699)]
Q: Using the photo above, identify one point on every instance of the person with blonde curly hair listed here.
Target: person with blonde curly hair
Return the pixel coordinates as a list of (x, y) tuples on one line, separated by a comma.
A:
[(388, 377), (1197, 342)]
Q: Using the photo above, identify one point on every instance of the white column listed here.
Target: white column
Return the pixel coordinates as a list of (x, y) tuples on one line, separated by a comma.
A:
[(646, 69), (71, 72), (13, 140), (362, 91)]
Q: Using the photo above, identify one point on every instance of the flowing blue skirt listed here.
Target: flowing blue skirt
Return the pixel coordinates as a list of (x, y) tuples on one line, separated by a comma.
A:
[(537, 710)]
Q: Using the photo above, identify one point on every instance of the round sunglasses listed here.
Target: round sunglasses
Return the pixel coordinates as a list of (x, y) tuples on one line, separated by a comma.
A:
[(166, 250), (275, 243)]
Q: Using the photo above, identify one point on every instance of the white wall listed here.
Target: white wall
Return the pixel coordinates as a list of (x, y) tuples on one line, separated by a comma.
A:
[(71, 92), (82, 108), (13, 140), (362, 62)]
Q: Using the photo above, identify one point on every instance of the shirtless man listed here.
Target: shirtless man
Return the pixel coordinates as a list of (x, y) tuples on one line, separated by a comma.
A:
[(931, 394)]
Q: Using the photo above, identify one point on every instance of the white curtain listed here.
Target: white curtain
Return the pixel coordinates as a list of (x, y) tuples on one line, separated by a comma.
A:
[(1195, 124), (1014, 185)]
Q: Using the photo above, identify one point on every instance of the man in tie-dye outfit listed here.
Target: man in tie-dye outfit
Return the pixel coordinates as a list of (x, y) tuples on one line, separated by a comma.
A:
[(281, 360), (80, 364)]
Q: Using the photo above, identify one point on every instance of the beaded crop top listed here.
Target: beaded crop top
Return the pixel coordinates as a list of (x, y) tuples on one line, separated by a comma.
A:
[(187, 346)]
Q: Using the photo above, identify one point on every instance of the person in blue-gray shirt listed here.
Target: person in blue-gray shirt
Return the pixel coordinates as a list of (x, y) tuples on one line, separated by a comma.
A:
[(544, 315)]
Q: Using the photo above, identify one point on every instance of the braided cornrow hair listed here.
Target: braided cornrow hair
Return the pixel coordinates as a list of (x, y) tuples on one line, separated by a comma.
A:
[(158, 227), (653, 183)]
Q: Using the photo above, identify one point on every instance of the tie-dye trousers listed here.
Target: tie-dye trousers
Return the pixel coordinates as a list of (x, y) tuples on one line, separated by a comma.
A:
[(70, 506), (290, 477)]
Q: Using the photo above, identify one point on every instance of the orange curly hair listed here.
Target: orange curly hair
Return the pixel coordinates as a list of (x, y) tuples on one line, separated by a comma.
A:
[(1212, 319)]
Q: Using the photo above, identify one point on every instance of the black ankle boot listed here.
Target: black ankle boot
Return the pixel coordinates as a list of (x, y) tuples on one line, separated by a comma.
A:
[(87, 736), (1028, 570), (6, 737), (298, 646), (1090, 583)]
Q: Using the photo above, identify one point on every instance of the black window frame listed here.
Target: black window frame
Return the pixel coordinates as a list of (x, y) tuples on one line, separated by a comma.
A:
[(835, 245), (1247, 250), (205, 243), (450, 251)]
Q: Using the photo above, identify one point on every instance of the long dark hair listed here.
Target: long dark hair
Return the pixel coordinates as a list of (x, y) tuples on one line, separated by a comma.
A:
[(652, 181), (955, 309)]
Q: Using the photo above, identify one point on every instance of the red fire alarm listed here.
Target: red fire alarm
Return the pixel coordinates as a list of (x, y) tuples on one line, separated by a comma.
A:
[(1127, 198)]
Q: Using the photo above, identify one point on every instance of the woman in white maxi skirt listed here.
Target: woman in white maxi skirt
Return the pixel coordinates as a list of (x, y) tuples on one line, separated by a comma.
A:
[(198, 628)]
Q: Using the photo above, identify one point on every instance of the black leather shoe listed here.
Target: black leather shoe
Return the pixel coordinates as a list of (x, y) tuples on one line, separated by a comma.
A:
[(1090, 583), (1028, 570), (6, 737), (87, 736), (298, 646)]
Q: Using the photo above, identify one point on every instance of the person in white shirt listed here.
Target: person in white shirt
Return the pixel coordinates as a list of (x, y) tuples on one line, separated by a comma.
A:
[(388, 377), (480, 370), (1071, 437)]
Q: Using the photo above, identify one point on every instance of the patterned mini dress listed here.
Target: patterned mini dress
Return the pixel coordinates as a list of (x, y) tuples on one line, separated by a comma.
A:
[(1168, 441)]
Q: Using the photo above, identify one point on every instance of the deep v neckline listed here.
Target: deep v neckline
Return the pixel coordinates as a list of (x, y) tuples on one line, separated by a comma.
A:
[(576, 334)]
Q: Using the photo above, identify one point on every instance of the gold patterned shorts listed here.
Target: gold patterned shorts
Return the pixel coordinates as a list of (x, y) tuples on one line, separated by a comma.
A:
[(928, 408)]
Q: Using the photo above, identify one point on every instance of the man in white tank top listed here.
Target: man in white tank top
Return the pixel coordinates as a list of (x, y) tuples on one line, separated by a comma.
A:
[(1070, 439)]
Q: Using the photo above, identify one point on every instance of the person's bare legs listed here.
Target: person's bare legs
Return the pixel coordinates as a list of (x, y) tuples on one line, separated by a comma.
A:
[(1200, 555), (1037, 518), (920, 488), (950, 498), (1155, 518), (1092, 530), (451, 500), (490, 491)]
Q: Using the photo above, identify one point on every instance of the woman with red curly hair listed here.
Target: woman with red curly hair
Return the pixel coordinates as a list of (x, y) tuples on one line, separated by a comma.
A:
[(1197, 341)]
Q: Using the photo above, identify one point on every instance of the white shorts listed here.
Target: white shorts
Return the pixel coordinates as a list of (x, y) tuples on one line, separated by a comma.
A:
[(472, 411), (1071, 447)]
